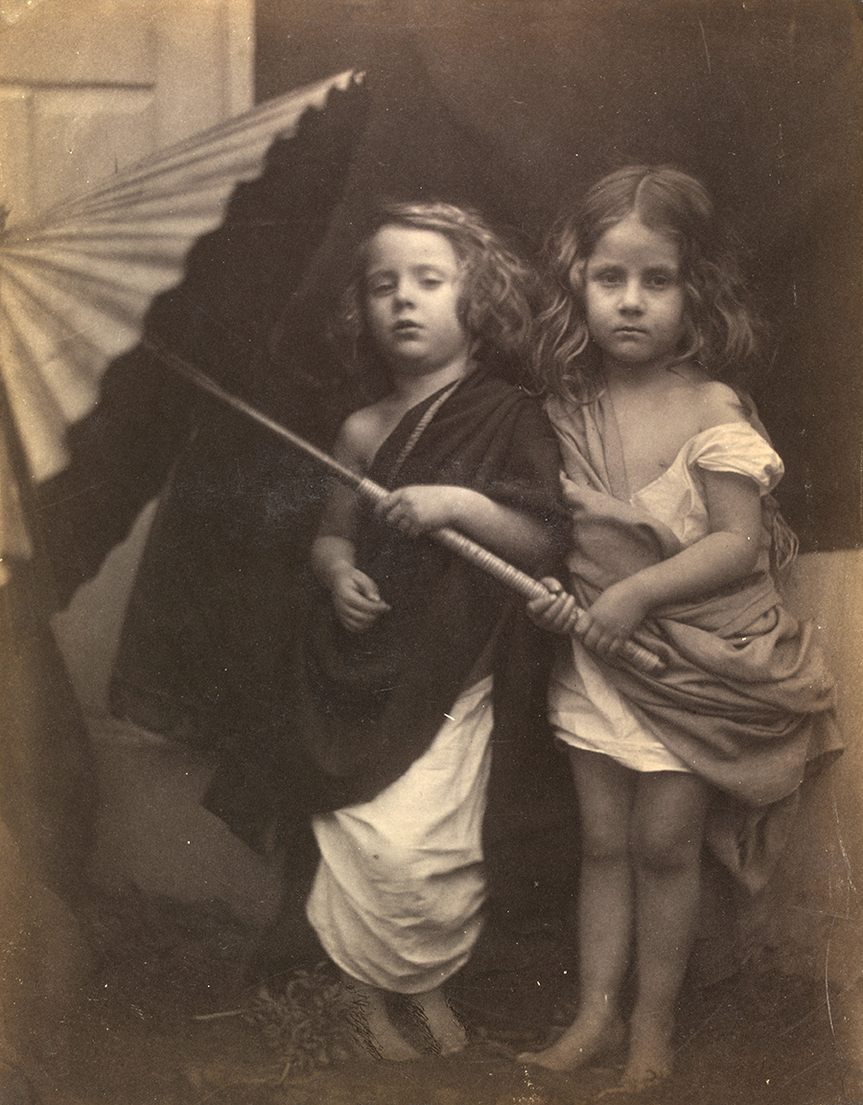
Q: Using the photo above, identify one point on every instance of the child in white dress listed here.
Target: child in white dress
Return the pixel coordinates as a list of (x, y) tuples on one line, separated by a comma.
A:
[(668, 474)]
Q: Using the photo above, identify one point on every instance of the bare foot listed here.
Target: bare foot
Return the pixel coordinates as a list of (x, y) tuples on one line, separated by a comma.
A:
[(651, 1056), (588, 1037), (436, 1015), (372, 1025)]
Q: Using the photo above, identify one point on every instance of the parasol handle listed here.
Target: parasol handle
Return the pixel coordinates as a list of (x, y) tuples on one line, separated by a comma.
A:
[(506, 573)]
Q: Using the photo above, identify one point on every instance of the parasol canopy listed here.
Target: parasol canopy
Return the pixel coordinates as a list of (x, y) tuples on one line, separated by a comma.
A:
[(76, 284), (77, 287)]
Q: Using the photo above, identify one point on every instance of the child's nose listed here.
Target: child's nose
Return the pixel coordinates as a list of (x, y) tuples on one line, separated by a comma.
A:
[(403, 296), (632, 298)]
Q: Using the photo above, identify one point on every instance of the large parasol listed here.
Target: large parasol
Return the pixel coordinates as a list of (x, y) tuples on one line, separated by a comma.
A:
[(78, 288), (76, 284)]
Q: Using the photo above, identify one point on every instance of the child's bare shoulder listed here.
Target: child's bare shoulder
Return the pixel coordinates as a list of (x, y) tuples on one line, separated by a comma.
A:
[(719, 404), (698, 402), (362, 433), (360, 423)]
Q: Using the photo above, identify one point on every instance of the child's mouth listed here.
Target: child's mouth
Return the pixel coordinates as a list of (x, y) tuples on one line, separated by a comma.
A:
[(406, 327)]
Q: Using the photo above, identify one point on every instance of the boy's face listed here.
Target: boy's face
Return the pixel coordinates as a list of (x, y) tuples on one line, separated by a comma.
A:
[(412, 288)]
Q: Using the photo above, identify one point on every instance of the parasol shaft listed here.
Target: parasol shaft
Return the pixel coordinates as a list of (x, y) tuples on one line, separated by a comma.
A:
[(465, 547)]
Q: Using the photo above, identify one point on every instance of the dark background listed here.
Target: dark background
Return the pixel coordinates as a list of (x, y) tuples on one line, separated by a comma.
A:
[(516, 105)]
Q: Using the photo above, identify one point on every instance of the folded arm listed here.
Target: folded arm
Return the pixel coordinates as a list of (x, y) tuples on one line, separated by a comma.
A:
[(512, 534), (727, 554)]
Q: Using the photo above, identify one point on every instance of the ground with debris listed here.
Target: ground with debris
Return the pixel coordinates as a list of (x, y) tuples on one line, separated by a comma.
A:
[(170, 1017)]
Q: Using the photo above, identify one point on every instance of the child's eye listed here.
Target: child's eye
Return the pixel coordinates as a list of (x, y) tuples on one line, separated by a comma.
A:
[(430, 280), (380, 288), (659, 280), (607, 279)]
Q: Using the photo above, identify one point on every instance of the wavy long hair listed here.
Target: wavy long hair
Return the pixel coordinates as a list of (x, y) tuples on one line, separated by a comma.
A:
[(723, 330), (498, 288)]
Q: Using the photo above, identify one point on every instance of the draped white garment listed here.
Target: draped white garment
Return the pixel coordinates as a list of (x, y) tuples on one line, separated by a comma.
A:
[(398, 895), (585, 710)]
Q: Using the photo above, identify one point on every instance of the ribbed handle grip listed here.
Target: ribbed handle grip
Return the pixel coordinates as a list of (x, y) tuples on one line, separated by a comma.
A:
[(640, 657), (508, 574)]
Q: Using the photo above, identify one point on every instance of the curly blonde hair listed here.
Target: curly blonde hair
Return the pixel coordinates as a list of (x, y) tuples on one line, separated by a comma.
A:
[(498, 287), (723, 329)]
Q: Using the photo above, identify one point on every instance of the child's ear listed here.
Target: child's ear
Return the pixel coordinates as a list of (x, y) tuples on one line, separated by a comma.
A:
[(576, 275)]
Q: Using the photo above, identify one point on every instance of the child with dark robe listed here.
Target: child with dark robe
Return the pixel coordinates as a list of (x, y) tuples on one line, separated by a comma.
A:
[(417, 671)]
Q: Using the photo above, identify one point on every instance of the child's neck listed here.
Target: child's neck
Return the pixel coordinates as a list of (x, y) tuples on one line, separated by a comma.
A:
[(411, 387), (622, 376)]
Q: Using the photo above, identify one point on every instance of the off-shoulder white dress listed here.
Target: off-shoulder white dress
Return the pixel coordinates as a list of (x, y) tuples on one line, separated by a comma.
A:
[(585, 710)]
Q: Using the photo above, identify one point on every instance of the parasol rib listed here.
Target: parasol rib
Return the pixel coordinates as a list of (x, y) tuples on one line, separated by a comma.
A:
[(506, 573)]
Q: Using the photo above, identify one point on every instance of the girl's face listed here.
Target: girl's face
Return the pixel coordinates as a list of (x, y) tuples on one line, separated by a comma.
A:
[(412, 287), (633, 295)]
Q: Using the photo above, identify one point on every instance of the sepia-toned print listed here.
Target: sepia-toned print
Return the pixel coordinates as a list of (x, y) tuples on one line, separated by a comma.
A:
[(430, 526)]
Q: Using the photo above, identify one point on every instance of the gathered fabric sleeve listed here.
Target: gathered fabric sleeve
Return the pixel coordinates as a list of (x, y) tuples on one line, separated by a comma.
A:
[(677, 497), (738, 447)]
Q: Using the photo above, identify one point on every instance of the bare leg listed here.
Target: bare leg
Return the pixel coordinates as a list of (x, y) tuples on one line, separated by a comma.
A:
[(668, 824), (443, 1024), (377, 1030), (605, 911)]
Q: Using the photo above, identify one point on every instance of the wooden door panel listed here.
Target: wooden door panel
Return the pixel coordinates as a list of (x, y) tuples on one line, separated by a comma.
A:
[(91, 86)]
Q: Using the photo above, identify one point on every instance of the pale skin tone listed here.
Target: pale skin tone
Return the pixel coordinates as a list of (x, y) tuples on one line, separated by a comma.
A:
[(412, 292), (642, 831)]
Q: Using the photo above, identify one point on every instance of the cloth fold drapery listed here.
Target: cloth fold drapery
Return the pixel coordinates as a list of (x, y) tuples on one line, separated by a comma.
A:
[(367, 705), (363, 711), (398, 895), (745, 699)]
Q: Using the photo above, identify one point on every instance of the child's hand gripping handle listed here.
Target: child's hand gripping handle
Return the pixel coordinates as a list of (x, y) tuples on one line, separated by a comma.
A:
[(520, 581), (640, 657)]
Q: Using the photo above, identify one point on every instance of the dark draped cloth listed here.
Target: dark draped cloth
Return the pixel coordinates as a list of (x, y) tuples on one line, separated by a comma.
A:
[(367, 705), (358, 709), (744, 700)]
